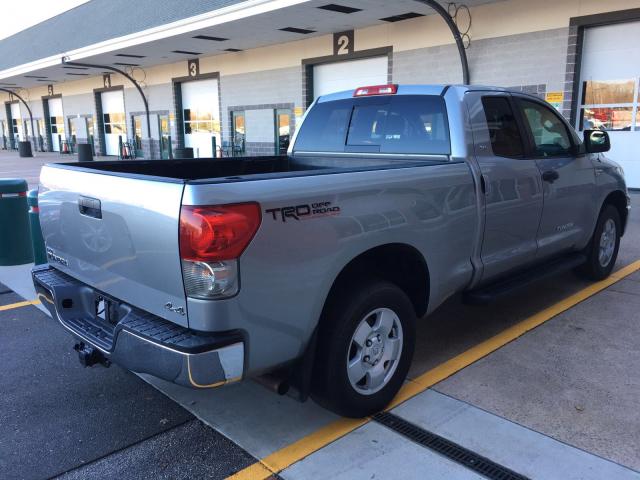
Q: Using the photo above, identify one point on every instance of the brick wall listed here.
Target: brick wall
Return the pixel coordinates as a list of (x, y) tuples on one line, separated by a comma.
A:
[(439, 64), (536, 58), (280, 86)]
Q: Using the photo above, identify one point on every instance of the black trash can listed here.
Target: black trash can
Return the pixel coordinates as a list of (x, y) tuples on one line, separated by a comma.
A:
[(183, 152), (15, 239), (24, 149), (85, 152)]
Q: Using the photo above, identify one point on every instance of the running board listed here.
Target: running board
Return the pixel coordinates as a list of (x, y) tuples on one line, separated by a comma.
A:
[(523, 279)]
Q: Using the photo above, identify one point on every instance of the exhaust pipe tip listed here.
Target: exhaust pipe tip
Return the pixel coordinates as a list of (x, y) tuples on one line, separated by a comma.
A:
[(273, 382)]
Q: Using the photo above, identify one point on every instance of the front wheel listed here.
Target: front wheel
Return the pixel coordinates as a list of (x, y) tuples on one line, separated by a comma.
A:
[(364, 349), (602, 250)]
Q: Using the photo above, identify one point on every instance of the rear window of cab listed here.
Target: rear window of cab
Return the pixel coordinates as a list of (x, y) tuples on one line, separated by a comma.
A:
[(402, 124)]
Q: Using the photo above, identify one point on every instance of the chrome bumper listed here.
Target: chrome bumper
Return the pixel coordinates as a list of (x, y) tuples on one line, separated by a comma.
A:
[(140, 341)]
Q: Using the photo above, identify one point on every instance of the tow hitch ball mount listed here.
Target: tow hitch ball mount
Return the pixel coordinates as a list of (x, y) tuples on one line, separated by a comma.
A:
[(90, 356)]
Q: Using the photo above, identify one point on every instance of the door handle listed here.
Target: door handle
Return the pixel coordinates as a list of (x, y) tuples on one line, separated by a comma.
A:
[(550, 176)]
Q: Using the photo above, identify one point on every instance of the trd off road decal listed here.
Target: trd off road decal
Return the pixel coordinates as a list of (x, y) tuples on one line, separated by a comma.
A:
[(304, 212)]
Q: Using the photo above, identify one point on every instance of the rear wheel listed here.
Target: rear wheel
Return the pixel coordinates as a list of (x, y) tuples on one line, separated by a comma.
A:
[(365, 348), (602, 250)]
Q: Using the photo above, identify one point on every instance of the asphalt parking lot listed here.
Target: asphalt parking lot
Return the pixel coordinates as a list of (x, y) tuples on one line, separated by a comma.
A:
[(544, 384)]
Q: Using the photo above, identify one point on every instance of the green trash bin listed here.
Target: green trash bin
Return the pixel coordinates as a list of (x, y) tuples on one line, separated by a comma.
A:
[(15, 233), (39, 254)]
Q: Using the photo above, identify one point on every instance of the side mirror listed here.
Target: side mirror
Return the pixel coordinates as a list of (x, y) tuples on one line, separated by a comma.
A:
[(596, 141)]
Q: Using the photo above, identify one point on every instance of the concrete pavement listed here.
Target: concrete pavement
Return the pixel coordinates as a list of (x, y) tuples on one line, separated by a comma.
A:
[(560, 399)]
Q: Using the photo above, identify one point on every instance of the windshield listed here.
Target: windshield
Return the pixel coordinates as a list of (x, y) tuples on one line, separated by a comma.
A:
[(403, 124)]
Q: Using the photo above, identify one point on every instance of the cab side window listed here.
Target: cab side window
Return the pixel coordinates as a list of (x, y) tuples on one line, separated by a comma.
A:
[(504, 133), (549, 133)]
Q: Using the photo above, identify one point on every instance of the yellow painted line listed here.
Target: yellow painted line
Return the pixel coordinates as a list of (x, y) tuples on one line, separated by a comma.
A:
[(18, 305), (287, 456), (483, 349)]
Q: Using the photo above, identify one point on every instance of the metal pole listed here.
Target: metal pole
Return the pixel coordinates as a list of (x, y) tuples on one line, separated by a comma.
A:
[(456, 35), (124, 74), (26, 106)]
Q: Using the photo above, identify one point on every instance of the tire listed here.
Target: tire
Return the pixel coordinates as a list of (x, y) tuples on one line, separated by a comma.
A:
[(373, 330), (602, 250)]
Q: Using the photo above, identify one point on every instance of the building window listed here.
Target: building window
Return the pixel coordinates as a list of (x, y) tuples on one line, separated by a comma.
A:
[(610, 105), (114, 123), (198, 121)]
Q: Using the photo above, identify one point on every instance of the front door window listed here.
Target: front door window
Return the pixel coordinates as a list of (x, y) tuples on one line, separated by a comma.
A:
[(550, 134)]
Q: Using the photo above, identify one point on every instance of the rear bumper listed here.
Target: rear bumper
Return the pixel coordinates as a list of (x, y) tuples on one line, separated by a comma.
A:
[(138, 340)]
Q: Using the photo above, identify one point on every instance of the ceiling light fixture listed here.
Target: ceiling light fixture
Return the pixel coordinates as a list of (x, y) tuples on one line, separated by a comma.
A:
[(303, 31), (186, 52), (213, 39), (404, 16), (332, 7)]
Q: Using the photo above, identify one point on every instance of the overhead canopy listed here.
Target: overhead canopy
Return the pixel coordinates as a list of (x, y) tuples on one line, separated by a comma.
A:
[(124, 34)]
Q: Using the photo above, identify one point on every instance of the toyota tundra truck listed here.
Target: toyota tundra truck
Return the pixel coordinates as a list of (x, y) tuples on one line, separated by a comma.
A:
[(313, 268)]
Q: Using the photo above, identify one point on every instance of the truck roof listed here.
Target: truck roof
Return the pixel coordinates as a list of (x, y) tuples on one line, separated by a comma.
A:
[(407, 89)]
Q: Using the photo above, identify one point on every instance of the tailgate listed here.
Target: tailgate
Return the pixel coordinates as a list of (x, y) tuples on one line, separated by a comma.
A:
[(116, 234)]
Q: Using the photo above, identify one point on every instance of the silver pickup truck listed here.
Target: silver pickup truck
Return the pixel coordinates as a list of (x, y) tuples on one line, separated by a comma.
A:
[(312, 269)]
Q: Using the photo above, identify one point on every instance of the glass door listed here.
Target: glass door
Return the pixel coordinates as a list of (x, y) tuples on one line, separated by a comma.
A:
[(90, 130), (3, 135), (73, 133), (165, 138), (41, 129), (137, 135), (282, 130), (239, 134)]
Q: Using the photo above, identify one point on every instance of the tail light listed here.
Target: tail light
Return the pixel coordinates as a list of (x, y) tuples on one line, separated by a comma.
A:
[(390, 89), (212, 238)]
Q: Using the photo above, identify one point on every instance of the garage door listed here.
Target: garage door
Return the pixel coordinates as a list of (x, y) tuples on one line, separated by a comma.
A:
[(201, 116), (16, 122), (349, 75), (115, 126), (609, 91), (56, 119)]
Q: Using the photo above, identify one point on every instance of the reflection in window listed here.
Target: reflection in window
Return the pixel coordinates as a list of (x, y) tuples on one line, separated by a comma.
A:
[(503, 129), (596, 92), (609, 105), (114, 123), (57, 125), (549, 133), (199, 121), (607, 118)]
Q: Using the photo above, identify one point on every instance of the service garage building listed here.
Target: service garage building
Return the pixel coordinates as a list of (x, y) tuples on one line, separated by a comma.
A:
[(234, 77)]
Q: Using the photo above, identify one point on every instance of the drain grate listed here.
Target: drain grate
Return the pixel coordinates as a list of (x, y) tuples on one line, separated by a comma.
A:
[(447, 448)]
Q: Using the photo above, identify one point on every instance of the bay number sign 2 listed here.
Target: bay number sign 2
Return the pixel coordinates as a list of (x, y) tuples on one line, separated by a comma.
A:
[(343, 43)]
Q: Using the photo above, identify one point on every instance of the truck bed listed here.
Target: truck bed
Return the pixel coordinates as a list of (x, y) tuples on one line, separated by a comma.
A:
[(238, 168)]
